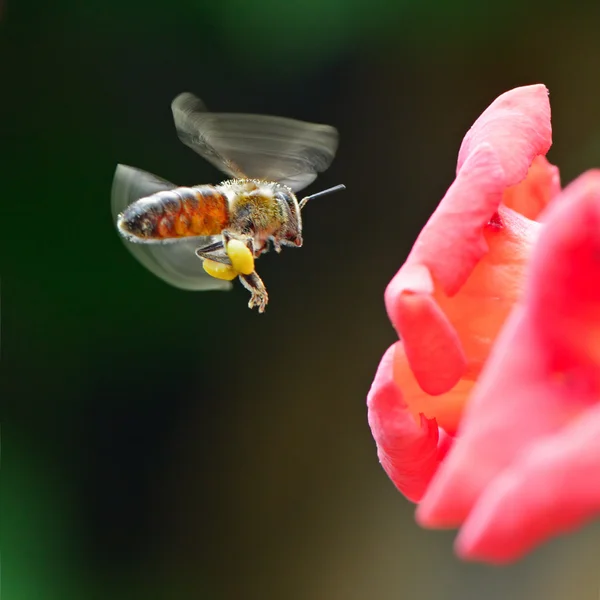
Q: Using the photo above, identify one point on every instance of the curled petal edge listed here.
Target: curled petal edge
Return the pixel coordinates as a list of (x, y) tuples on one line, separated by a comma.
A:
[(409, 452), (452, 241), (517, 124), (433, 348)]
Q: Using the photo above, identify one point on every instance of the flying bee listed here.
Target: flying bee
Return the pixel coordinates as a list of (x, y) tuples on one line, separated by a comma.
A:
[(168, 228)]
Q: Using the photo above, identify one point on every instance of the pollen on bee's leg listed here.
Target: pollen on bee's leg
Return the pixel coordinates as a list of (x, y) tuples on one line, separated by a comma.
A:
[(219, 270), (241, 258)]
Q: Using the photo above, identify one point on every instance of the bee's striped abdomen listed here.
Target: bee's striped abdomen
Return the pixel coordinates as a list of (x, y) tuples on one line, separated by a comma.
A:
[(176, 213), (206, 208)]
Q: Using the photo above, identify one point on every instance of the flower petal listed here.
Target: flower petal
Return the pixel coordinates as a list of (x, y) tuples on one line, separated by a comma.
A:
[(452, 241), (513, 403), (431, 343), (564, 286), (407, 448), (530, 196), (517, 126), (480, 308), (554, 488), (445, 408), (495, 154), (538, 377)]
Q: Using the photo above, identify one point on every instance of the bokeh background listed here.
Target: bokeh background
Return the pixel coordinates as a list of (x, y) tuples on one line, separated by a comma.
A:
[(162, 444)]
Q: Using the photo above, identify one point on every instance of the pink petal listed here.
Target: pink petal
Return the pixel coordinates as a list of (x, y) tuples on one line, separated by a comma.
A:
[(431, 343), (495, 154), (517, 126), (445, 408), (452, 242), (564, 286), (538, 377), (531, 196), (514, 403), (553, 488), (408, 451)]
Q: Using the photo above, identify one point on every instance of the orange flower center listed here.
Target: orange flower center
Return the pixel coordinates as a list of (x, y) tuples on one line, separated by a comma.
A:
[(477, 313)]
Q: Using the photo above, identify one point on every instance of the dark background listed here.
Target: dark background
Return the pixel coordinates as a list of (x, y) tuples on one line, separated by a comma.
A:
[(167, 444)]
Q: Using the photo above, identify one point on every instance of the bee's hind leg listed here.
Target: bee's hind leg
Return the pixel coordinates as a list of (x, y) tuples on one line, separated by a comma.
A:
[(247, 240), (215, 252), (254, 284)]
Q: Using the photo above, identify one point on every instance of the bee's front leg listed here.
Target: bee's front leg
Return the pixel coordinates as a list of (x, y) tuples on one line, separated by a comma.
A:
[(254, 284)]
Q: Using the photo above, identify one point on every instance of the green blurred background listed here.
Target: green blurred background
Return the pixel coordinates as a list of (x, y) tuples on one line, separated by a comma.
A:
[(166, 444)]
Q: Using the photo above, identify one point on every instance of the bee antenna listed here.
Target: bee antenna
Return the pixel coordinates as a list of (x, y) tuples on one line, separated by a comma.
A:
[(335, 188)]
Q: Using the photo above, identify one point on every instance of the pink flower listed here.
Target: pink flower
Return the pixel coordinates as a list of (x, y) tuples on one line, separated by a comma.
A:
[(485, 278)]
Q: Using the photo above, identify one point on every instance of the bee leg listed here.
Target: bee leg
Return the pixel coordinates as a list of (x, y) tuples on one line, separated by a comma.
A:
[(246, 239), (215, 252), (211, 247), (254, 284)]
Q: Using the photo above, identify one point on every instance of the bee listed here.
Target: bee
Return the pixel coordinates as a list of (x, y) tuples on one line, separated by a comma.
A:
[(169, 228)]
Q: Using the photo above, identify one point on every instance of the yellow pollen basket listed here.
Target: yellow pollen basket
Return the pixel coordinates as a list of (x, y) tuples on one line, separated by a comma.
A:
[(242, 262), (219, 270), (241, 257)]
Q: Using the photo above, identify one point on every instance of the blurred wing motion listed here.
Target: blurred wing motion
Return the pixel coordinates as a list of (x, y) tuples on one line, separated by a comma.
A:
[(173, 262), (256, 146)]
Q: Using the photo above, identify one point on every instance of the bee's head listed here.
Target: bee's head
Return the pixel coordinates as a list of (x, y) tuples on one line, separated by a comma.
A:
[(291, 234)]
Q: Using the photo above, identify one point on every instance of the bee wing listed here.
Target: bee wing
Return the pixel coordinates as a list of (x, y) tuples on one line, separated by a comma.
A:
[(173, 262), (256, 146)]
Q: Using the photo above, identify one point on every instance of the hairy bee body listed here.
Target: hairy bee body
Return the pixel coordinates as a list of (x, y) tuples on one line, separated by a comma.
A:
[(202, 237), (261, 209)]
